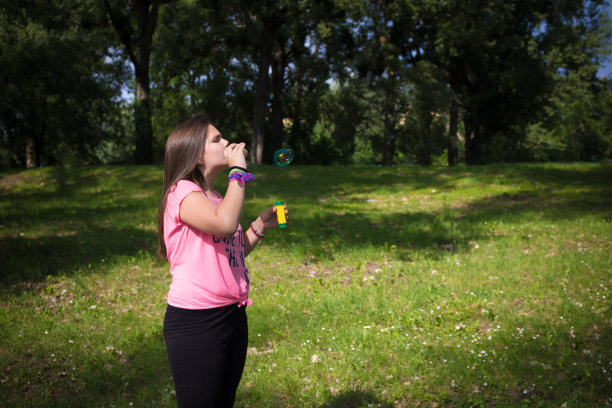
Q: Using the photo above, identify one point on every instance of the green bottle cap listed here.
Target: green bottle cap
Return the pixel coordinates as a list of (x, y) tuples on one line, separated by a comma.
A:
[(279, 203)]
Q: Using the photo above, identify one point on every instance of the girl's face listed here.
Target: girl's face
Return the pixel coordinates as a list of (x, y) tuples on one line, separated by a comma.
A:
[(213, 150)]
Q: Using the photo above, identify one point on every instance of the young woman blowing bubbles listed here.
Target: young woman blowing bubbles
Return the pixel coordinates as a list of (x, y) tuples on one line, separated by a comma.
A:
[(205, 326)]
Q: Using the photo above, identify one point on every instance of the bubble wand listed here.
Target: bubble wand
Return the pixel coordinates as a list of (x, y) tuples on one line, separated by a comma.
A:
[(282, 158)]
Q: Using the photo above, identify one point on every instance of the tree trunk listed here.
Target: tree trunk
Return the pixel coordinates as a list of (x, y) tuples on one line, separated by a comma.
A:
[(473, 138), (389, 140), (424, 149), (453, 152), (278, 84), (142, 119), (34, 143), (261, 95), (468, 137), (389, 122), (30, 154), (299, 143), (139, 53), (389, 150)]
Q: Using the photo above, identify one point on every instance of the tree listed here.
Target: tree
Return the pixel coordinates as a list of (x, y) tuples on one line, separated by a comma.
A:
[(426, 120), (202, 64), (135, 24), (497, 59), (262, 19), (58, 84), (382, 44)]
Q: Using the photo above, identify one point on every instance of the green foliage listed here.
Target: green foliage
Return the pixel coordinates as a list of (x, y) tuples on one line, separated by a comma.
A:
[(426, 126), (352, 81), (59, 83), (197, 68), (333, 135)]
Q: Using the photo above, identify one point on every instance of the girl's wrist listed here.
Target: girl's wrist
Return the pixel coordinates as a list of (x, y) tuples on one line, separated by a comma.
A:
[(240, 174), (259, 232), (259, 225)]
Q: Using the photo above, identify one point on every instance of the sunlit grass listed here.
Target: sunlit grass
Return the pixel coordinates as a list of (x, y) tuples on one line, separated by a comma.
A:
[(401, 286)]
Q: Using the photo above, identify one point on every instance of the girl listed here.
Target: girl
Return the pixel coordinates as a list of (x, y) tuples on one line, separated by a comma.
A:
[(205, 326)]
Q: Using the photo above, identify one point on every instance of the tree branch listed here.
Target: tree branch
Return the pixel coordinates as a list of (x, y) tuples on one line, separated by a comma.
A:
[(125, 35)]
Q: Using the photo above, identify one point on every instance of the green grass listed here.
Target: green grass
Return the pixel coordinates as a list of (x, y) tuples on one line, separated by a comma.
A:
[(393, 287)]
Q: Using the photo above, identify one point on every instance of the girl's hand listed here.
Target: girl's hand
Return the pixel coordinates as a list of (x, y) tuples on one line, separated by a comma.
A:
[(269, 219), (234, 155)]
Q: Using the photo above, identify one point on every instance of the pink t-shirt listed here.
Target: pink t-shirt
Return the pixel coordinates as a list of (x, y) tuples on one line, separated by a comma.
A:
[(207, 270)]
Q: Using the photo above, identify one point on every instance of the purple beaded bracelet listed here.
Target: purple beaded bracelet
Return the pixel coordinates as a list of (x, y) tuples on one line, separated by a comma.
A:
[(242, 177)]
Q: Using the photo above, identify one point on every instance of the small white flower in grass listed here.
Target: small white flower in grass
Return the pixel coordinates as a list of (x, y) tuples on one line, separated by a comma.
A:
[(315, 359)]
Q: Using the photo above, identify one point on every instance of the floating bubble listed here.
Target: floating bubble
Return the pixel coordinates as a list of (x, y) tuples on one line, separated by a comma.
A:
[(283, 157)]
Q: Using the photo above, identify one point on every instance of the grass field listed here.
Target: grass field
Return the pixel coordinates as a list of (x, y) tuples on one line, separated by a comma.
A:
[(394, 287)]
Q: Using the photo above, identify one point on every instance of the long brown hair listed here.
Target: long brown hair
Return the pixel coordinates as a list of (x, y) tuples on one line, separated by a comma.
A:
[(183, 148)]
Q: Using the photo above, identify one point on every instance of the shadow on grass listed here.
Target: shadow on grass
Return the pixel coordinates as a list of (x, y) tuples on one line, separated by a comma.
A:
[(561, 196), (74, 221), (86, 217), (31, 259), (356, 399), (135, 373)]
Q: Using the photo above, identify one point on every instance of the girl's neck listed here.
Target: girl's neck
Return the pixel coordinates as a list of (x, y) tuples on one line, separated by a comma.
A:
[(209, 179)]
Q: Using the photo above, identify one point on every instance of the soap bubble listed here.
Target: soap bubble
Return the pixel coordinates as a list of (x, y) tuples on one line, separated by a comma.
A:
[(283, 157)]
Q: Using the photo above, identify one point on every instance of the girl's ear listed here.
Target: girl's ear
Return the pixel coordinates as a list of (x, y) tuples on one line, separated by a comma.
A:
[(200, 159)]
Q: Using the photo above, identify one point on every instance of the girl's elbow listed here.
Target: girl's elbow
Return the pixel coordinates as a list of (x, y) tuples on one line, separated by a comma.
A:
[(228, 230)]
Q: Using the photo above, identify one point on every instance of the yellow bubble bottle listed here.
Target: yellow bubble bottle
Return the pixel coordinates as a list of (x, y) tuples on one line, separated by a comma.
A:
[(280, 214)]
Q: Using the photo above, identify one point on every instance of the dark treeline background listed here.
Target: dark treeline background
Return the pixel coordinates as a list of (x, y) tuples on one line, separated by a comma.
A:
[(351, 81)]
